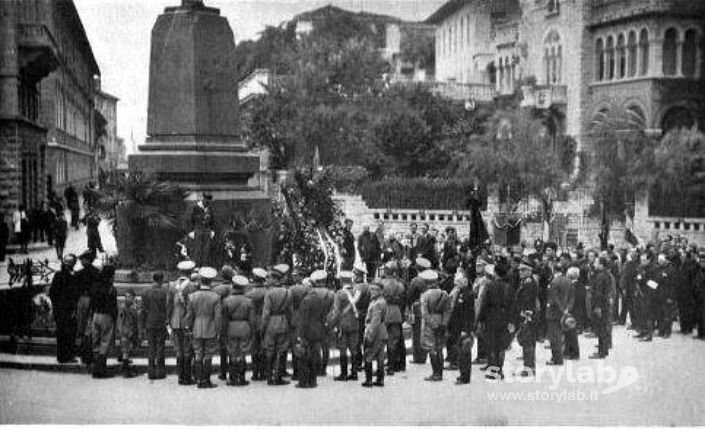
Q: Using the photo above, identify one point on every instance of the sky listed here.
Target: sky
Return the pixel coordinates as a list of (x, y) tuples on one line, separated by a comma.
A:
[(119, 33)]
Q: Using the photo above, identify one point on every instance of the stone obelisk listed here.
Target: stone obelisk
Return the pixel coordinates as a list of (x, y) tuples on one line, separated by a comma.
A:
[(193, 121)]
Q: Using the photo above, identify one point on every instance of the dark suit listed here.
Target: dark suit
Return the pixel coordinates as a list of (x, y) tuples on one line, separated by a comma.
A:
[(312, 331), (561, 298), (348, 250), (426, 248), (494, 313), (601, 293), (525, 316), (64, 293), (154, 321)]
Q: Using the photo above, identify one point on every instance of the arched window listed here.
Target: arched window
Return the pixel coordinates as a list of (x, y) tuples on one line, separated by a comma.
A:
[(610, 58), (631, 54), (644, 52), (600, 59), (636, 118), (621, 57), (553, 52), (690, 53), (500, 81), (670, 47)]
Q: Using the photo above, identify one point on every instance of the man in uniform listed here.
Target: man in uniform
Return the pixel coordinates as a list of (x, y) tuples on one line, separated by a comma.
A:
[(348, 248), (346, 323), (128, 330), (320, 282), (375, 336), (64, 293), (204, 318), (525, 313), (479, 287), (256, 294), (462, 320), (362, 291), (177, 301), (451, 257), (223, 290), (239, 321), (311, 331), (435, 313), (494, 313), (394, 295), (666, 277), (103, 300), (276, 317), (646, 294), (416, 289)]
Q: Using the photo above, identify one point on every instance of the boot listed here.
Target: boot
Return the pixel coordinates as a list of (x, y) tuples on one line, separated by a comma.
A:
[(127, 370), (197, 371), (241, 374), (368, 375), (100, 368), (282, 365), (391, 362), (343, 368), (380, 377), (205, 380), (464, 378), (180, 369), (325, 356), (234, 374), (161, 369), (223, 365), (151, 369), (435, 376), (188, 372), (269, 370)]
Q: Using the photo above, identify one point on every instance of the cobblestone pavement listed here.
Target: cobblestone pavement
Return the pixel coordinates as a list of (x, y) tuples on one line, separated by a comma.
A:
[(658, 383)]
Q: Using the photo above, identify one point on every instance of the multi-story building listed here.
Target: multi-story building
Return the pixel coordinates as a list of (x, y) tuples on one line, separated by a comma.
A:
[(579, 60), (47, 70), (111, 148)]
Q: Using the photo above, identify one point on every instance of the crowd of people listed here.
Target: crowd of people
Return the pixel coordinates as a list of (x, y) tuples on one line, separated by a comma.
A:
[(460, 302), (46, 222)]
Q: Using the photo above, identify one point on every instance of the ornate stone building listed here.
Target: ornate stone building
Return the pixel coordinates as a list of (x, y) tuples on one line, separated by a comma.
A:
[(578, 60), (47, 70), (111, 149)]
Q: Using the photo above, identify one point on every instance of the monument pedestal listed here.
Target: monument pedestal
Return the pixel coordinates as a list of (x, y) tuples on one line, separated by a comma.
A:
[(193, 118)]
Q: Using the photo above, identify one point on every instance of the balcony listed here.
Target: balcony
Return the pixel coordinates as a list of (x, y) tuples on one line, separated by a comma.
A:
[(544, 96), (465, 91), (505, 33), (39, 54), (607, 11)]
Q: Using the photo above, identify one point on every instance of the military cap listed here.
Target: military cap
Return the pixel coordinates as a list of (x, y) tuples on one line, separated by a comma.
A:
[(240, 281), (319, 276), (429, 276), (195, 276), (186, 266), (423, 263), (346, 276), (526, 265), (208, 273), (259, 273), (280, 270)]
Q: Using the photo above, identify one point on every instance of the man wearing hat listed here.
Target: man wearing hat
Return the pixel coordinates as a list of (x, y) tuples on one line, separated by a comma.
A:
[(461, 325), (86, 278), (276, 318), (601, 285), (346, 323), (479, 288), (204, 318), (375, 336), (571, 349), (298, 291), (103, 298), (311, 331), (320, 282), (362, 291), (177, 300), (560, 301), (494, 314), (128, 331), (64, 293), (435, 313), (525, 313), (155, 321), (394, 294), (416, 288), (256, 295), (223, 290), (239, 321)]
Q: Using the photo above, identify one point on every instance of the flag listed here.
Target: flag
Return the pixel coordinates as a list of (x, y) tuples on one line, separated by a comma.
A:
[(629, 235)]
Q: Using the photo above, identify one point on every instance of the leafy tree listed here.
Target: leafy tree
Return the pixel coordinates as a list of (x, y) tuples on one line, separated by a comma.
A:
[(519, 155)]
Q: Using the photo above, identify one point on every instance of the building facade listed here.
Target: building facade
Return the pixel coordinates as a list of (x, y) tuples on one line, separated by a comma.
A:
[(47, 70), (577, 61), (111, 149)]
